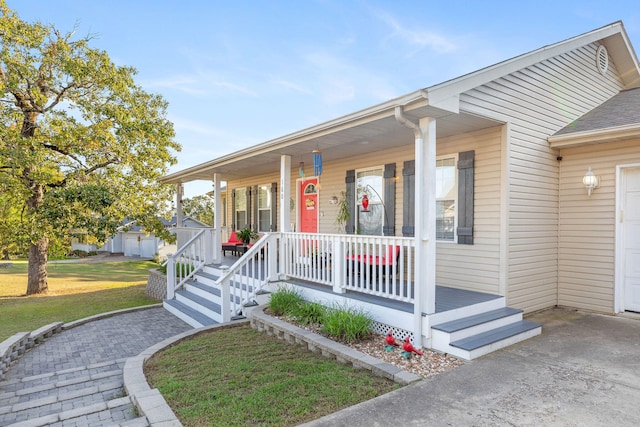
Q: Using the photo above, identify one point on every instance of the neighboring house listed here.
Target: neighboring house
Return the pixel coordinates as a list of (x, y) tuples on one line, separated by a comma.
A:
[(480, 180), (132, 239)]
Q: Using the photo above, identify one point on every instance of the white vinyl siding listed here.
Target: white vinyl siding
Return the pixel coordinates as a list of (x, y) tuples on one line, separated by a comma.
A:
[(586, 248), (537, 102)]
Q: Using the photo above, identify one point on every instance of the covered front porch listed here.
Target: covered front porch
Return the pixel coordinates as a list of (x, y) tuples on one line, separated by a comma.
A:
[(386, 157), (339, 270)]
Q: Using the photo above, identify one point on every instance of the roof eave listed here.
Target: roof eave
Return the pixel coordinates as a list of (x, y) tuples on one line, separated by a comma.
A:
[(410, 101), (598, 136)]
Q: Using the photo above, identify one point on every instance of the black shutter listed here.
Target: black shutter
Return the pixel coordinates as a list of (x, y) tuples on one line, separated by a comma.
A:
[(274, 206), (234, 225), (350, 181), (465, 197), (248, 212), (389, 228), (408, 198)]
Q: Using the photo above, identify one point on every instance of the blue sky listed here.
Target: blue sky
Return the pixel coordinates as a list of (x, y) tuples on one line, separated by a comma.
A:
[(237, 73)]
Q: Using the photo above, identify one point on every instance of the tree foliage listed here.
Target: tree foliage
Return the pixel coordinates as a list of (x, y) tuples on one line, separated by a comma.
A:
[(200, 208), (81, 146)]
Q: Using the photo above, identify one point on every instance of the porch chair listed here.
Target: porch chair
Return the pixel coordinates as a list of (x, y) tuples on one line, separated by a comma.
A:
[(356, 263), (231, 244), (389, 260)]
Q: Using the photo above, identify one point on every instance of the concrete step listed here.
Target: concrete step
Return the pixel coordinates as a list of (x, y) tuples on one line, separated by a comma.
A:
[(472, 325), (486, 342)]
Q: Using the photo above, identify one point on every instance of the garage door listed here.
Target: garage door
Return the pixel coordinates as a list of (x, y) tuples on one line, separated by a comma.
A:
[(148, 247)]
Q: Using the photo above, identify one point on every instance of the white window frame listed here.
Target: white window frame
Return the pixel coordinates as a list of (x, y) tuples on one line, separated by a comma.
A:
[(358, 204), (455, 198), (237, 211), (267, 188)]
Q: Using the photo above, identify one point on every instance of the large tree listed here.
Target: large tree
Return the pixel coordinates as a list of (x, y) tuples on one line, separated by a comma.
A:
[(200, 208), (81, 145)]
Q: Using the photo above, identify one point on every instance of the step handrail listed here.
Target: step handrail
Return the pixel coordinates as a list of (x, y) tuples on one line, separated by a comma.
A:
[(186, 262), (248, 275)]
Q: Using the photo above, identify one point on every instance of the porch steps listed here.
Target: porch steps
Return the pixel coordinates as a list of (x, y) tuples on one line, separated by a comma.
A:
[(198, 302), (189, 315), (476, 335)]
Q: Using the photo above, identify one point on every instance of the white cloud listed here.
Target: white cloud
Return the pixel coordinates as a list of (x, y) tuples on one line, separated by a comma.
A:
[(293, 86), (231, 86), (340, 80), (183, 84), (417, 39)]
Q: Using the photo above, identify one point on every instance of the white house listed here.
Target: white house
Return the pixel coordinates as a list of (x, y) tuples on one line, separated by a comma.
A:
[(516, 185)]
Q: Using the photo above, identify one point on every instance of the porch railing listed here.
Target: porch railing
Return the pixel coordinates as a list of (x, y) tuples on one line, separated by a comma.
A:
[(249, 275), (375, 265), (189, 259)]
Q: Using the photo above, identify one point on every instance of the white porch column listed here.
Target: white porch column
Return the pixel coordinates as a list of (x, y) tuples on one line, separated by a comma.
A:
[(285, 196), (285, 193), (425, 214), (179, 191), (425, 220), (217, 216)]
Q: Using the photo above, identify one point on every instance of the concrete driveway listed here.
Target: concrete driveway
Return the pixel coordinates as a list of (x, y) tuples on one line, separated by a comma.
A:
[(584, 370)]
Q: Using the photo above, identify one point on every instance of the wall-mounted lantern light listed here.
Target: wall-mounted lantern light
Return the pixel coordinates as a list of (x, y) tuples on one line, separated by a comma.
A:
[(590, 181)]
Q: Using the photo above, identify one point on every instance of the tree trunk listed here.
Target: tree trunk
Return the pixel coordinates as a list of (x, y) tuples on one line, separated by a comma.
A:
[(37, 278), (37, 273)]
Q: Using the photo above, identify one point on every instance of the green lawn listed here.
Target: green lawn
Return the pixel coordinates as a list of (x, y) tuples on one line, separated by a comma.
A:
[(76, 290), (239, 376), (254, 378)]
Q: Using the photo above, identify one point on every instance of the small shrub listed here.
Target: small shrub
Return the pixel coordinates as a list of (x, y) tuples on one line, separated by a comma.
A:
[(285, 301), (311, 314), (184, 268), (348, 324)]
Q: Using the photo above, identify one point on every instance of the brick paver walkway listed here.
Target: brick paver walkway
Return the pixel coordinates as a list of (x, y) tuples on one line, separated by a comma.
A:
[(74, 378)]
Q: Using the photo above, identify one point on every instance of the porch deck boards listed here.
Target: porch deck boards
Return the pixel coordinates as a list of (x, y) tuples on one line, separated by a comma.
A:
[(452, 298), (447, 298)]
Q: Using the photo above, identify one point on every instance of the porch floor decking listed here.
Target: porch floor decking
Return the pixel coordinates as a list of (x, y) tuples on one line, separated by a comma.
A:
[(447, 298)]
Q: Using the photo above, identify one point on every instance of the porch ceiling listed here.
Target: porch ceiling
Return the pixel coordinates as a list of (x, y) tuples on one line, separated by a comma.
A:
[(335, 142)]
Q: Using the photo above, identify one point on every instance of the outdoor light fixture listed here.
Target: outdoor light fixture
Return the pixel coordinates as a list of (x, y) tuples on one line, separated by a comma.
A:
[(590, 181), (365, 203), (333, 200)]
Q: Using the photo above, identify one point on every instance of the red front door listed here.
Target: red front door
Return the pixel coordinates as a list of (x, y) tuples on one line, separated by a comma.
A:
[(308, 205)]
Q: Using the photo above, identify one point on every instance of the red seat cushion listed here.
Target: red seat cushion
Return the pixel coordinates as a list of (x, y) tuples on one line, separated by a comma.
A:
[(233, 239)]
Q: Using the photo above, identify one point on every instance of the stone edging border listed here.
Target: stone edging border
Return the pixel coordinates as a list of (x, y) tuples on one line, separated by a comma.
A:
[(17, 344), (319, 344), (151, 403)]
